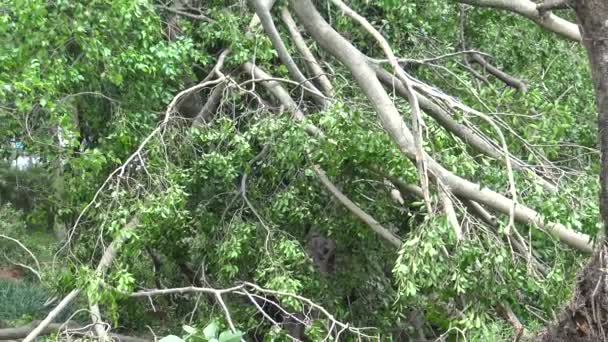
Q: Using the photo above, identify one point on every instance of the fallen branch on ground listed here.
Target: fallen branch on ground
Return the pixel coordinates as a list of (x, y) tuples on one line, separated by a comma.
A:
[(23, 331)]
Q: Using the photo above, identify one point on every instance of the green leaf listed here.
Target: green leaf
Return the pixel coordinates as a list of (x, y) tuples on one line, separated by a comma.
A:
[(190, 330), (171, 338), (211, 330), (228, 336)]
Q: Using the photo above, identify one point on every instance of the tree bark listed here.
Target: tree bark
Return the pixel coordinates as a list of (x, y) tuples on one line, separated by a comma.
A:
[(593, 18), (529, 10)]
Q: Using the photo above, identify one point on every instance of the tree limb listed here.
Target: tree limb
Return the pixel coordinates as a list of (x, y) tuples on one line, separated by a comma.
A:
[(105, 262), (355, 210), (392, 122), (262, 9), (281, 94), (417, 122), (23, 331), (277, 90), (529, 10), (501, 75), (466, 134), (313, 66)]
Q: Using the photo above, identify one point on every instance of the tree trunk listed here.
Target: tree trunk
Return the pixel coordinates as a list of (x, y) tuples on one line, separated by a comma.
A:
[(586, 317), (593, 19)]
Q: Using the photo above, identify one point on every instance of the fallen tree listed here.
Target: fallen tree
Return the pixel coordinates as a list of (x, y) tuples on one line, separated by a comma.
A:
[(219, 184)]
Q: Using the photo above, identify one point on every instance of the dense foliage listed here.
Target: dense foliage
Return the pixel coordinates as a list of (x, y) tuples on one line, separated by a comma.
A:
[(84, 83)]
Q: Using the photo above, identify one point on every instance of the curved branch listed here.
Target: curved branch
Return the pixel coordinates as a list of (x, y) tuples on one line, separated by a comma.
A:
[(529, 10), (392, 122), (417, 122)]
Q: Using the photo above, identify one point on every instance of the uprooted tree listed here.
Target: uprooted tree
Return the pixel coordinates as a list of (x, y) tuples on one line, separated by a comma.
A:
[(285, 168)]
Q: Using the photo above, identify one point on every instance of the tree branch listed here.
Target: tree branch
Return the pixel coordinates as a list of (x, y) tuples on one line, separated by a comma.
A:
[(102, 267), (355, 210), (529, 10), (281, 94), (392, 122), (313, 66), (23, 331), (467, 135), (262, 9), (501, 75), (417, 122)]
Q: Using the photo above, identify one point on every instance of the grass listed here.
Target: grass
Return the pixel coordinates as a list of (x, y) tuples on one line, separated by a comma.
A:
[(18, 300)]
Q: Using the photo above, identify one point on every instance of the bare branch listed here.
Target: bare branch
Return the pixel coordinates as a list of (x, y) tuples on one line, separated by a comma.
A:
[(37, 272), (309, 58), (501, 75), (355, 210), (529, 10), (262, 9)]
